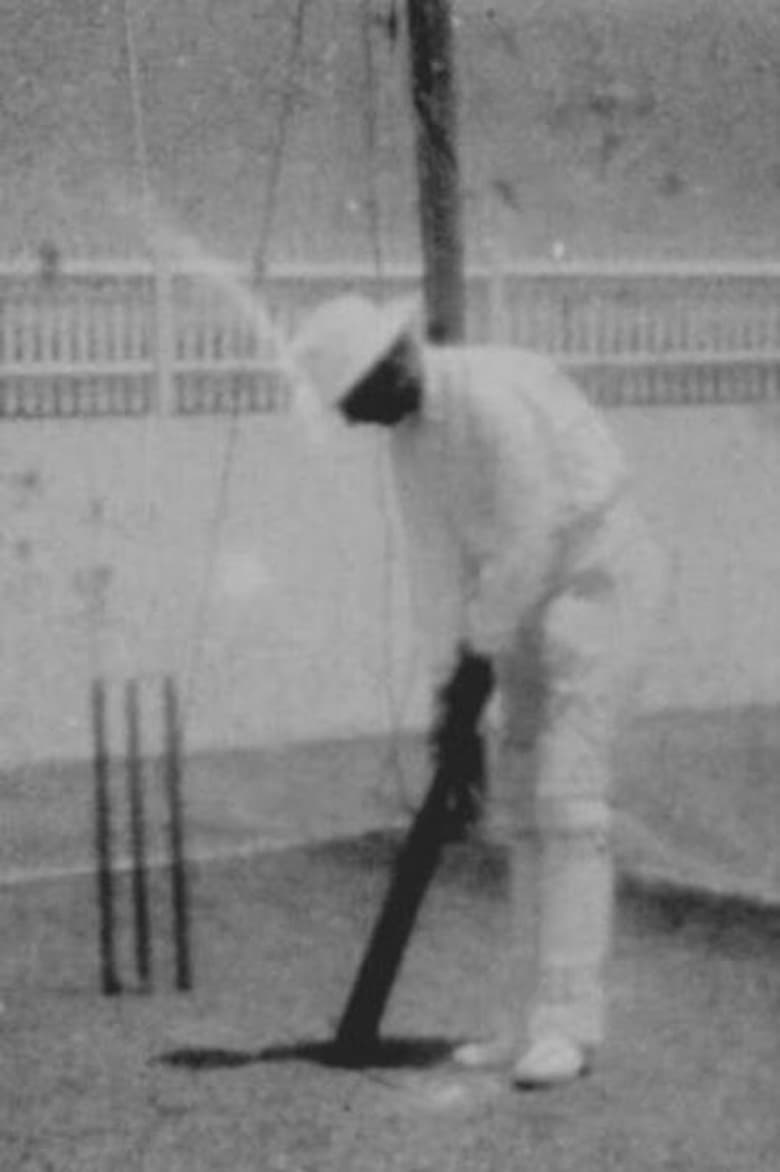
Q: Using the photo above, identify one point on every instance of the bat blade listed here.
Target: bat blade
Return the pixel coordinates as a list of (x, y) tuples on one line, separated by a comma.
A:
[(415, 867)]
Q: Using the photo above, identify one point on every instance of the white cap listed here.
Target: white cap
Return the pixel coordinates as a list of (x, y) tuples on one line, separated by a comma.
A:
[(345, 338)]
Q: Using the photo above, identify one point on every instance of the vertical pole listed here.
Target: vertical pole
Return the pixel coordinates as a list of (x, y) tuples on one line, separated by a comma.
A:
[(164, 333), (105, 880), (434, 103), (498, 316), (179, 886), (135, 793)]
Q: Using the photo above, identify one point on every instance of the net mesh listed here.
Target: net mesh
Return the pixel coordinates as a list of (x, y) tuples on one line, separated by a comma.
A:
[(120, 120)]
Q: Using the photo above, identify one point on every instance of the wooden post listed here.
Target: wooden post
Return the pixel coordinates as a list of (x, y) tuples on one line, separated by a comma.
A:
[(180, 898), (434, 103), (135, 775), (109, 972), (164, 334), (498, 318)]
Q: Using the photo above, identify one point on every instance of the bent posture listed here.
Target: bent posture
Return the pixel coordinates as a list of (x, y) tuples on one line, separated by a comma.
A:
[(532, 570)]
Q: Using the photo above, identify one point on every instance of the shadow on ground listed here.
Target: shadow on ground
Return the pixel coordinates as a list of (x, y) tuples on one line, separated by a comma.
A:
[(387, 1053)]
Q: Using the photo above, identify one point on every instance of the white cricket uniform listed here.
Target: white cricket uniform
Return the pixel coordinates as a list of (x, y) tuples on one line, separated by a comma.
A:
[(524, 542)]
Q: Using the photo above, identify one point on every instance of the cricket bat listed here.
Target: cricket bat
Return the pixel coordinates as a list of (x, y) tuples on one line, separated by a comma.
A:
[(419, 856)]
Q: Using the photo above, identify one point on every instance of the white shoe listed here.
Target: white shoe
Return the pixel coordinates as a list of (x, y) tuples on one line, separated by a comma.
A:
[(484, 1055), (552, 1060)]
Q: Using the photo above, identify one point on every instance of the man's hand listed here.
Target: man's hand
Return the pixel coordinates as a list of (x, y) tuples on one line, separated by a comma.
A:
[(463, 699)]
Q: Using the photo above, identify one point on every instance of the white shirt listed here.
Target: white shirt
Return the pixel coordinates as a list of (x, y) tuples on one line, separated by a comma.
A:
[(505, 461)]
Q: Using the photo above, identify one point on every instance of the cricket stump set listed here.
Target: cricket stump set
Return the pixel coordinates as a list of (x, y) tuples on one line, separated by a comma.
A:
[(165, 768), (356, 1040)]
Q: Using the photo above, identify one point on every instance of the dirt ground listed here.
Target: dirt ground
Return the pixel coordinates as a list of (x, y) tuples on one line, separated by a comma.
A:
[(229, 1077)]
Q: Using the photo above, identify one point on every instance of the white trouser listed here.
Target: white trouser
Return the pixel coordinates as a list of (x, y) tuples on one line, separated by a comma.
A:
[(566, 693)]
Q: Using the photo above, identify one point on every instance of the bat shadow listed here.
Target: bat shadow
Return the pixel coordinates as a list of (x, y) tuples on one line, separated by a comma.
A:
[(391, 1053)]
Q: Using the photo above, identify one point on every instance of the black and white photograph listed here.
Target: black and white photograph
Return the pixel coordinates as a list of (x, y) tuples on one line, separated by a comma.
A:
[(389, 585)]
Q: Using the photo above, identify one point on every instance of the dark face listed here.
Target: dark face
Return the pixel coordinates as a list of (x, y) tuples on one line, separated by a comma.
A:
[(390, 392)]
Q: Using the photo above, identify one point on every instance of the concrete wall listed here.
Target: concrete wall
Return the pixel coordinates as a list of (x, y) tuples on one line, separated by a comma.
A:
[(708, 479), (285, 618)]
